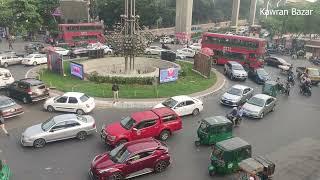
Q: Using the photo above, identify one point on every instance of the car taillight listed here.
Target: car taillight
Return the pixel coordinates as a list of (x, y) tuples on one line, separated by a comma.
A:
[(29, 91)]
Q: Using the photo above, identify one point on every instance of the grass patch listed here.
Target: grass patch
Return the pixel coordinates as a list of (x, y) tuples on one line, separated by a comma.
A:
[(190, 83)]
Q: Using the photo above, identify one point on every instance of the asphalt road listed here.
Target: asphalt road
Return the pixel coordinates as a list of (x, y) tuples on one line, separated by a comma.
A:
[(295, 118)]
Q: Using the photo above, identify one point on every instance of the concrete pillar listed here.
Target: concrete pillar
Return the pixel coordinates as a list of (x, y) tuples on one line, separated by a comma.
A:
[(253, 7), (183, 18), (235, 12)]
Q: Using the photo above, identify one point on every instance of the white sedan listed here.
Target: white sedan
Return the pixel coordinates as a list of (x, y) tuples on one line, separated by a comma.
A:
[(183, 105), (195, 46), (153, 50), (62, 51), (34, 59), (75, 102), (188, 52)]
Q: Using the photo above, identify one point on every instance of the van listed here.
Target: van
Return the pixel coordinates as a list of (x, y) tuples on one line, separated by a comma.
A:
[(6, 77)]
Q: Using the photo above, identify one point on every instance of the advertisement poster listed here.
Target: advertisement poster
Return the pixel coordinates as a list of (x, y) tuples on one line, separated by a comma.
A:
[(55, 62), (77, 70), (168, 75)]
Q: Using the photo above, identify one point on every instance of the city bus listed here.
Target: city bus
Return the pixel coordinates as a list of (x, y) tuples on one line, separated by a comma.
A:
[(247, 51), (76, 34)]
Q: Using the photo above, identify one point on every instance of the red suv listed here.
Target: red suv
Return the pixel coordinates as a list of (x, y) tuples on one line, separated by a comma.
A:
[(130, 159), (160, 122)]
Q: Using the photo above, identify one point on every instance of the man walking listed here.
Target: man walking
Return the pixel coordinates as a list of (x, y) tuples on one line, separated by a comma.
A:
[(2, 125), (115, 90), (10, 43)]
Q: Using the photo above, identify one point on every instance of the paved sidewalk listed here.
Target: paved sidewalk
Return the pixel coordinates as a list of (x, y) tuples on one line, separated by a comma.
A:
[(138, 103)]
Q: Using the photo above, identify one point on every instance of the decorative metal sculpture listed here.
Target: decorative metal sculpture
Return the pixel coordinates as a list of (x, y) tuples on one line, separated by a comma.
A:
[(128, 39)]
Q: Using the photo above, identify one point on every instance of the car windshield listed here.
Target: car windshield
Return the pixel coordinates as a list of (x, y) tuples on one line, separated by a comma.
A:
[(84, 98), (127, 122), (82, 118), (204, 126), (256, 101), (170, 103), (235, 91), (314, 72), (29, 56), (262, 72), (282, 61), (48, 124), (119, 154), (237, 67), (6, 103), (217, 153)]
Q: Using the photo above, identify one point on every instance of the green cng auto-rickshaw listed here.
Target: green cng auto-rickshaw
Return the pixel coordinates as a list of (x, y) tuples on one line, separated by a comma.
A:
[(5, 172), (227, 154), (213, 129), (270, 88), (258, 168)]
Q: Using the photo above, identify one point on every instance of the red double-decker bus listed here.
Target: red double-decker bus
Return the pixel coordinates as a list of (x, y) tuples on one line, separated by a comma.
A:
[(246, 50), (75, 34)]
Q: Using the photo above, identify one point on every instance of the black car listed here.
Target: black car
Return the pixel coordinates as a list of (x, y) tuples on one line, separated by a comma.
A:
[(28, 90), (260, 76), (33, 47), (276, 61)]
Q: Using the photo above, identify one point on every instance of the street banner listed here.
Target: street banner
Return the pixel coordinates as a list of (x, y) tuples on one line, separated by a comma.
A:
[(55, 62), (168, 75)]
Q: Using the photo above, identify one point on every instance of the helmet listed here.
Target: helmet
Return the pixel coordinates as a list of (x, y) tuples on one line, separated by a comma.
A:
[(234, 108)]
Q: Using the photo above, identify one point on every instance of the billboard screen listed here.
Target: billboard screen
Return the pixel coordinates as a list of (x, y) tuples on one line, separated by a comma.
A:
[(55, 62), (168, 75), (77, 70)]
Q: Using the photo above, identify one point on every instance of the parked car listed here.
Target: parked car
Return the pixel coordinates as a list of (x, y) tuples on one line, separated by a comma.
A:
[(154, 50), (33, 47), (236, 95), (276, 61), (160, 122), (28, 90), (62, 51), (260, 76), (235, 70), (6, 78), (130, 160), (34, 59), (188, 52), (182, 105), (57, 128), (79, 52), (9, 108), (166, 40), (195, 46), (74, 102), (259, 105), (106, 49), (9, 59)]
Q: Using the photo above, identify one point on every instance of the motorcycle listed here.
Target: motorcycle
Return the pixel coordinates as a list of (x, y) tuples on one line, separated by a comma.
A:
[(284, 89), (291, 79), (305, 90), (236, 121)]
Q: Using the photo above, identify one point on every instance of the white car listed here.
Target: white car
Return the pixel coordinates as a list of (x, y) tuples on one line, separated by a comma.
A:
[(183, 105), (154, 50), (34, 59), (62, 51), (75, 102), (195, 46), (6, 77), (188, 52), (9, 59), (106, 49), (166, 40)]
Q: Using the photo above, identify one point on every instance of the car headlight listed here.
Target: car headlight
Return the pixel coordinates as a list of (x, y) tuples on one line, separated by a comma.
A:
[(105, 170)]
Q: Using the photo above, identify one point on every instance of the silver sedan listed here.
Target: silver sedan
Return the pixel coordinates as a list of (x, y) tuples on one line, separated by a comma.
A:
[(58, 128), (236, 95), (259, 105)]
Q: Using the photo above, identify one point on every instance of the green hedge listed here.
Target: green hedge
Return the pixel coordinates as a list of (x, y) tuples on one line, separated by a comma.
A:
[(94, 76)]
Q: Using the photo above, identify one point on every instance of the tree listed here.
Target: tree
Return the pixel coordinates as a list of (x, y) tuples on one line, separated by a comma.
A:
[(6, 14), (45, 10)]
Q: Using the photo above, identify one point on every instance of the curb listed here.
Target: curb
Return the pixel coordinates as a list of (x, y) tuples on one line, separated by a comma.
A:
[(139, 103)]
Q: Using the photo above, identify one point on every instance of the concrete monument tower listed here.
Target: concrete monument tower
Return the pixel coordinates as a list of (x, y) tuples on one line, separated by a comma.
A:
[(183, 19)]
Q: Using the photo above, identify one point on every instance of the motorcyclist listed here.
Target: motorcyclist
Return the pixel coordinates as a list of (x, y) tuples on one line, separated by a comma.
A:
[(305, 83), (239, 115), (233, 114), (290, 78)]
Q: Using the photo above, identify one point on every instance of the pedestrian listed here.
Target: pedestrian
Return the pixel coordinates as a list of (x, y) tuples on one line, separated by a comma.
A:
[(2, 125), (115, 90), (10, 43)]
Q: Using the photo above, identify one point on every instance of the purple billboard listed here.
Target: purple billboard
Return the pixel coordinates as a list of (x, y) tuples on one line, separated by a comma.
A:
[(168, 75), (77, 70)]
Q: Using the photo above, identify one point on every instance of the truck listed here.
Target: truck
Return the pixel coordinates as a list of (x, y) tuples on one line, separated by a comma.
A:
[(313, 73)]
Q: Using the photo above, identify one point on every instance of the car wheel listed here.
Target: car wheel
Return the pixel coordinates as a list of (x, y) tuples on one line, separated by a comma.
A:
[(50, 109), (108, 52), (273, 108), (164, 135), (122, 141), (149, 53), (8, 93), (80, 112), (39, 143), (195, 112), (197, 143), (212, 173), (160, 166), (115, 176), (231, 77), (81, 135), (35, 63), (5, 65), (25, 100), (262, 115)]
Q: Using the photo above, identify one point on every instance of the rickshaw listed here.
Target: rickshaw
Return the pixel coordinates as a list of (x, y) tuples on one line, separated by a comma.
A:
[(213, 129), (270, 88), (5, 172), (227, 154), (257, 168)]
